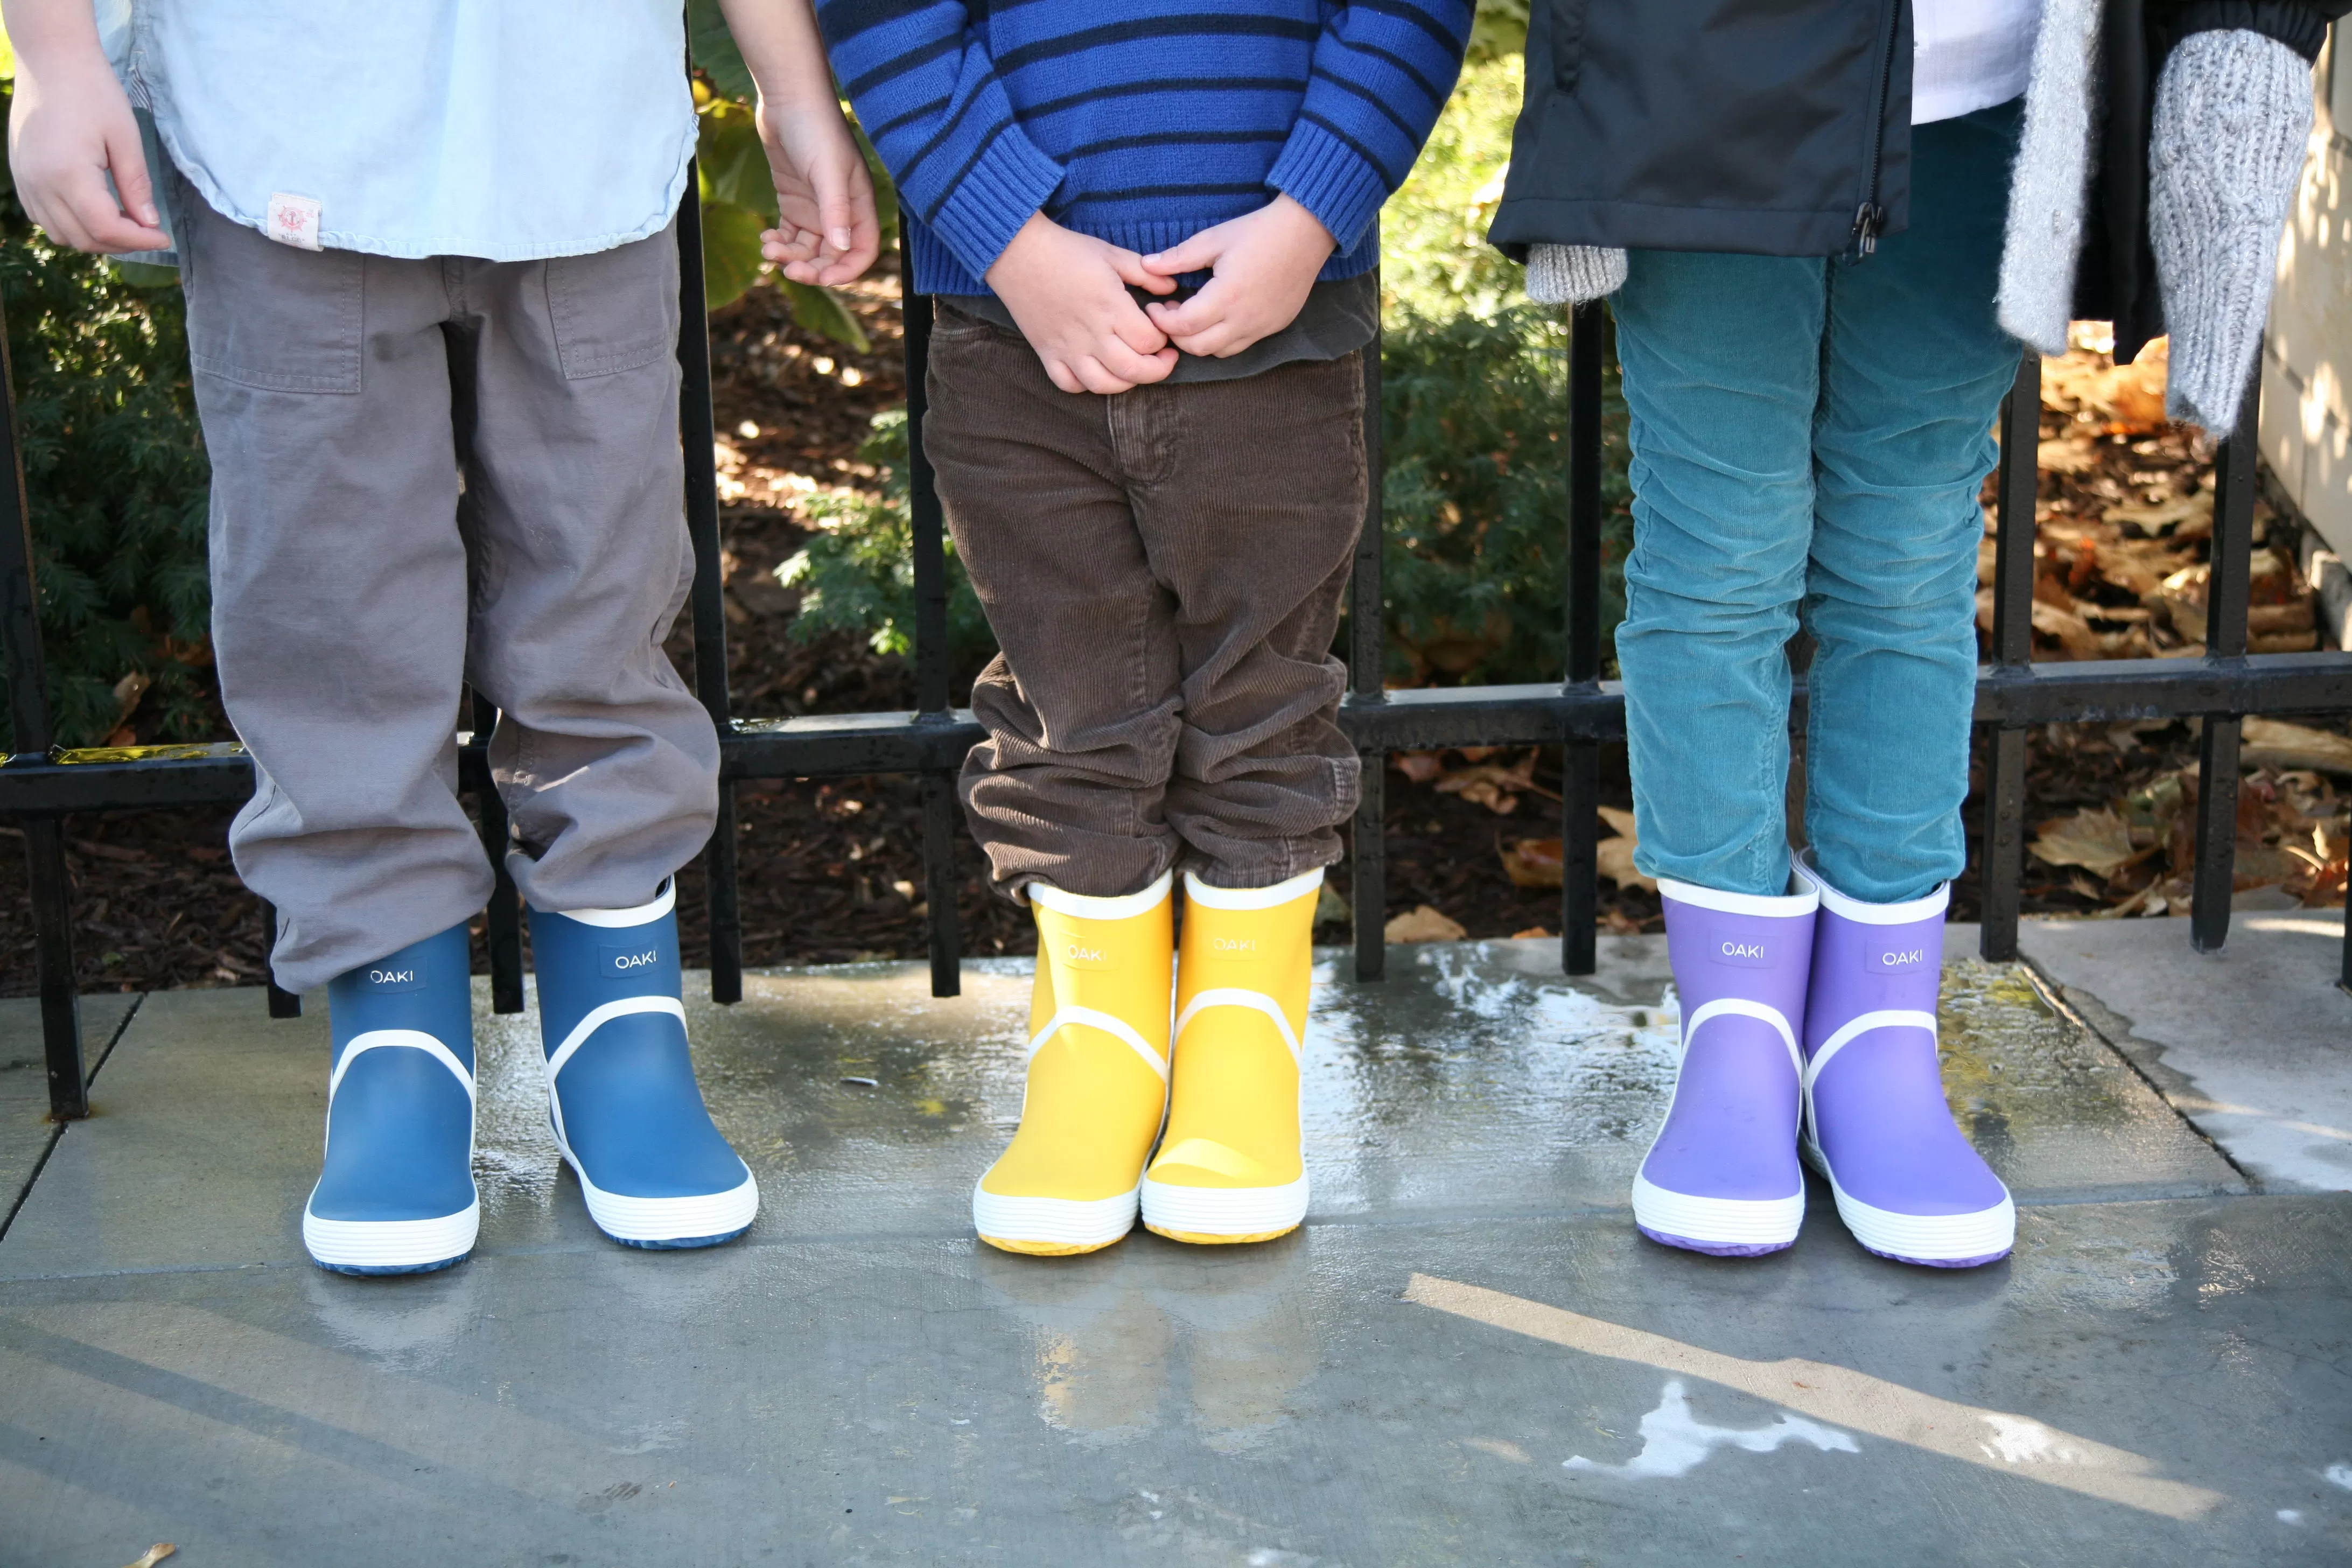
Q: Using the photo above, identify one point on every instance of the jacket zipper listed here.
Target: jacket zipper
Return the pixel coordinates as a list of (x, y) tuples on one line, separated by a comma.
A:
[(1870, 218)]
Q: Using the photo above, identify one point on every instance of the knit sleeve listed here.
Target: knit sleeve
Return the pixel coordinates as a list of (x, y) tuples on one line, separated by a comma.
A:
[(2300, 24), (928, 96), (1383, 69)]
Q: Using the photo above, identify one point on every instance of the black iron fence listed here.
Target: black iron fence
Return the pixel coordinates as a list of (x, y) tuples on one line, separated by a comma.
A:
[(41, 782)]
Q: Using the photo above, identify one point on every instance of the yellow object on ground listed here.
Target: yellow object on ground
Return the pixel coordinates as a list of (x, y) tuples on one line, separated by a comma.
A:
[(1230, 1167), (1097, 1081)]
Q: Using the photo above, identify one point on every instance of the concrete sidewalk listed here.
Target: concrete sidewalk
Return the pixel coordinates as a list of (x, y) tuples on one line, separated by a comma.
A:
[(1465, 1356)]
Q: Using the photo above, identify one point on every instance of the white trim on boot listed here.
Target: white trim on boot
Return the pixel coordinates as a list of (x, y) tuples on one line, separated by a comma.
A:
[(1087, 1223), (1719, 1222), (1223, 1211), (1927, 905), (1776, 908)]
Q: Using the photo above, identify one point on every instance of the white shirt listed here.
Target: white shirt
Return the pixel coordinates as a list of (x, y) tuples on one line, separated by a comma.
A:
[(511, 130), (1969, 55)]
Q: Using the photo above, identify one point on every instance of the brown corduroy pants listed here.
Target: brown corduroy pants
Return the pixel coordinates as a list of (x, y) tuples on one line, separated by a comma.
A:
[(1163, 570)]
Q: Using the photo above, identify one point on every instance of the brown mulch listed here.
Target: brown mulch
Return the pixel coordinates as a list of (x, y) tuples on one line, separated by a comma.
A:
[(832, 871)]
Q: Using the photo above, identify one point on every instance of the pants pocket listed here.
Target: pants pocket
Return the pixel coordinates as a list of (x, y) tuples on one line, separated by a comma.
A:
[(614, 309), (266, 315)]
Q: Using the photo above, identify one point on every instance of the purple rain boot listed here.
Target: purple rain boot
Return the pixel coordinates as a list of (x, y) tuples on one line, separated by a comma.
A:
[(1909, 1186), (1722, 1176)]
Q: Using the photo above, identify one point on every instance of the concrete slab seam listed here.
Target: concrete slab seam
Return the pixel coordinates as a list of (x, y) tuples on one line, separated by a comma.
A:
[(57, 1130), (2111, 1030)]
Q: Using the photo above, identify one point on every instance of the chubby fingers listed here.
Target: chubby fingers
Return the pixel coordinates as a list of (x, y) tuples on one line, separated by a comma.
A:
[(1198, 253), (1196, 315), (1131, 269)]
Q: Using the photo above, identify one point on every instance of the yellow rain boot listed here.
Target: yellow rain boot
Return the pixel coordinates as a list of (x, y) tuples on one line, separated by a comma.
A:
[(1097, 1074), (1229, 1168)]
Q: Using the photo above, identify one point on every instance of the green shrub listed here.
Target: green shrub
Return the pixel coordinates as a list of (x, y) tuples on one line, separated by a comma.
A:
[(1434, 259), (1474, 417), (857, 573), (116, 476)]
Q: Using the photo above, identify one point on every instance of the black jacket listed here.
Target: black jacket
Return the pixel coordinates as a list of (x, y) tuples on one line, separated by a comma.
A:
[(1777, 127), (1783, 127)]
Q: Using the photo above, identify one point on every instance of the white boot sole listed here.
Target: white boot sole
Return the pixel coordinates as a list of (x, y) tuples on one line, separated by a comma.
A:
[(1719, 1222), (1922, 1239), (1079, 1224), (389, 1244), (709, 1218), (1223, 1211)]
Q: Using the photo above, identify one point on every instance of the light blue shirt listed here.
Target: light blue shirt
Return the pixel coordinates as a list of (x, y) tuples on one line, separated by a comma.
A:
[(510, 130)]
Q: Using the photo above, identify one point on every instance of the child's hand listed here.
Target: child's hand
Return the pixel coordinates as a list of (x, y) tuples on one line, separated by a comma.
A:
[(1067, 293), (827, 230), (1265, 263), (71, 128)]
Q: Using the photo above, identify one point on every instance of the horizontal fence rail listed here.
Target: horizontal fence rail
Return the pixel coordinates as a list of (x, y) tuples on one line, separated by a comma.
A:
[(40, 784)]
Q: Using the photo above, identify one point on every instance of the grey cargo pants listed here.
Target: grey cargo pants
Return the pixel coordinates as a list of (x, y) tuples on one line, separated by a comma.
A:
[(427, 473)]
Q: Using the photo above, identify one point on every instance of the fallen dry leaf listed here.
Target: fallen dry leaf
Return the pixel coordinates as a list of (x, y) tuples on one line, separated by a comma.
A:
[(1616, 863), (154, 1554), (2274, 743), (2067, 455), (1533, 930), (1534, 862), (1494, 786), (2185, 517), (1418, 766), (1423, 924), (2074, 633), (1621, 821), (2099, 841)]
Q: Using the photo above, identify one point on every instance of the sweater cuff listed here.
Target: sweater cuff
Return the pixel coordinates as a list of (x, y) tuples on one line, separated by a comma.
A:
[(1002, 189), (1331, 180), (2300, 27)]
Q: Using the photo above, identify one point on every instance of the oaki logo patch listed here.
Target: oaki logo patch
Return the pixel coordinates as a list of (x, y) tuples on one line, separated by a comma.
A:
[(1081, 955), (1892, 957), (409, 976), (618, 962), (1234, 946), (1740, 953)]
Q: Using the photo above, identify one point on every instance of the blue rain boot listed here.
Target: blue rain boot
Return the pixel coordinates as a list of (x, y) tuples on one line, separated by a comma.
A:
[(397, 1192), (628, 1116)]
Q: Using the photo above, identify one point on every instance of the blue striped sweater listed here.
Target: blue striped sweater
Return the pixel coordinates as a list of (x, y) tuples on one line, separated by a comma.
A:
[(1140, 122)]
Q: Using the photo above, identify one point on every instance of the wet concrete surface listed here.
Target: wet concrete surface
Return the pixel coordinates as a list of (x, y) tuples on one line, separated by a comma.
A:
[(2252, 1045), (26, 1132), (1467, 1356)]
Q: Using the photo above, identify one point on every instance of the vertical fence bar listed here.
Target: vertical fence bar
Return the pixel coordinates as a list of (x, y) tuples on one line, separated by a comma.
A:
[(929, 531), (283, 1004), (2225, 638), (1579, 785), (2002, 872), (696, 433), (45, 871), (1367, 872), (502, 924), (52, 890)]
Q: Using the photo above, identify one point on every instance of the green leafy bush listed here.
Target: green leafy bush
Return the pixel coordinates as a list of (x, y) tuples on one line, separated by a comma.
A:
[(1474, 415), (1434, 259), (858, 571), (115, 475)]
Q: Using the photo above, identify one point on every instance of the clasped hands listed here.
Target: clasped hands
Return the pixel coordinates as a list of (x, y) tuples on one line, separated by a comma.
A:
[(1068, 294)]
